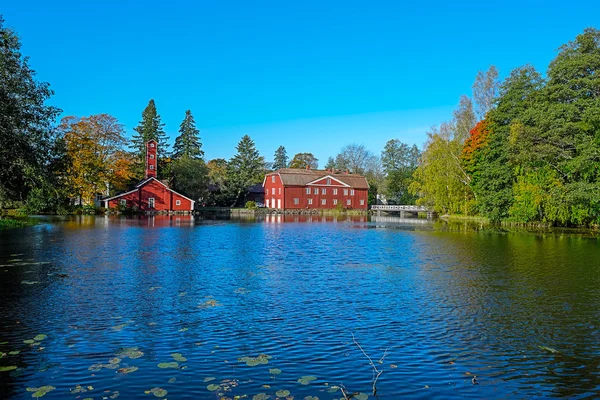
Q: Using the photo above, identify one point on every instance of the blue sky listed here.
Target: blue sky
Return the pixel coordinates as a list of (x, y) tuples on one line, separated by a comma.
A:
[(310, 75)]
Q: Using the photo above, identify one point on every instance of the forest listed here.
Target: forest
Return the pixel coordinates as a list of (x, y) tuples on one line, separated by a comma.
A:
[(525, 149)]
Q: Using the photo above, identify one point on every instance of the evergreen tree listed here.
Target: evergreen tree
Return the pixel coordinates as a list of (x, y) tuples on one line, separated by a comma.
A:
[(330, 163), (246, 168), (29, 143), (188, 144), (150, 127), (280, 159)]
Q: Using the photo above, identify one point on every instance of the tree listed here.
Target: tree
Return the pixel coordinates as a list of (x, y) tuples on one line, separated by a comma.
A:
[(218, 193), (302, 160), (485, 90), (330, 163), (29, 144), (188, 144), (356, 158), (190, 177), (150, 127), (280, 159), (399, 163), (246, 168), (94, 147)]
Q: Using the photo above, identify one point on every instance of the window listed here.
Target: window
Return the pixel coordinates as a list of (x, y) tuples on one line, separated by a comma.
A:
[(323, 201), (151, 202), (335, 192), (123, 202), (345, 192), (316, 190), (309, 201), (335, 202), (329, 181), (267, 203), (348, 202), (151, 144), (296, 201), (307, 190), (323, 191), (351, 192), (279, 190), (273, 178), (362, 202), (151, 166), (177, 202), (272, 190)]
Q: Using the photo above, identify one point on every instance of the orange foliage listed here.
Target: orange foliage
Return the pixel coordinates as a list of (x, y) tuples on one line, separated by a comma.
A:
[(477, 141)]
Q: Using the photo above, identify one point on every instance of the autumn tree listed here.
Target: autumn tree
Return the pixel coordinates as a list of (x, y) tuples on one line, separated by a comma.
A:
[(303, 160), (94, 147), (246, 168), (280, 159), (30, 147), (188, 143)]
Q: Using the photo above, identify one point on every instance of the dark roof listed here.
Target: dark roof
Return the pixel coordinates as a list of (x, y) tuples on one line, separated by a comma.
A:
[(301, 177), (258, 188)]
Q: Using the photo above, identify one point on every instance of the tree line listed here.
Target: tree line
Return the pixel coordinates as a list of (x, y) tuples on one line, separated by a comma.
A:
[(527, 150)]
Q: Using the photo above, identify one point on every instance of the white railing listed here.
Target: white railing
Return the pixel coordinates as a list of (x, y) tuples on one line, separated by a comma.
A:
[(384, 207)]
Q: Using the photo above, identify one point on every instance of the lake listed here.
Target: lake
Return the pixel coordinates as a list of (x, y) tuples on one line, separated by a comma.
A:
[(184, 308)]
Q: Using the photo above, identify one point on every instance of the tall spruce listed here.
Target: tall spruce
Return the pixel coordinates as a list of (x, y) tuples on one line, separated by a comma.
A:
[(28, 140), (280, 159), (246, 168), (150, 127), (187, 144)]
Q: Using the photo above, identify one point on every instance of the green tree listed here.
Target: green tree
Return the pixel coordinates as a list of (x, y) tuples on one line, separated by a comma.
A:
[(246, 168), (190, 177), (280, 159), (399, 163), (29, 142), (188, 144), (302, 160), (150, 127), (330, 163), (356, 158), (485, 91)]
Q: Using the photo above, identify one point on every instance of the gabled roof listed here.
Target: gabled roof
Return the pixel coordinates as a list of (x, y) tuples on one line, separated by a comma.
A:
[(144, 182), (303, 177)]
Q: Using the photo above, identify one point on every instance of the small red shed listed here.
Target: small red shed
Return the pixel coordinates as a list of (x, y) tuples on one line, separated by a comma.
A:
[(291, 188), (151, 194)]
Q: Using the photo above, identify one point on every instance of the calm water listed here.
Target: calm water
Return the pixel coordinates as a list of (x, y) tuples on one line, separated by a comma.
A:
[(521, 312)]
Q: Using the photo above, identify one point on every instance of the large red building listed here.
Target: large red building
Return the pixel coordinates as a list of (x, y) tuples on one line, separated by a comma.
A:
[(290, 188), (151, 194)]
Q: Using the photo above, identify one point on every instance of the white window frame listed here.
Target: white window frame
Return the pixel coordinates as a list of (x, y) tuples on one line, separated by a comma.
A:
[(323, 191), (348, 202), (279, 190), (151, 166), (323, 202), (177, 202), (152, 156), (345, 192), (316, 191), (309, 202), (335, 202), (123, 202), (273, 178), (307, 190), (329, 181), (335, 192), (296, 201), (152, 145), (272, 191), (351, 192), (151, 202), (362, 202)]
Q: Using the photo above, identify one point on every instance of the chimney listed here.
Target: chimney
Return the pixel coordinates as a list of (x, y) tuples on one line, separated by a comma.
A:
[(151, 161), (308, 166), (347, 171)]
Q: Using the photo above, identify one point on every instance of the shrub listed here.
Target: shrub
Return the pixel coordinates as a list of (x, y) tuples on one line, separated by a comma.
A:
[(251, 205)]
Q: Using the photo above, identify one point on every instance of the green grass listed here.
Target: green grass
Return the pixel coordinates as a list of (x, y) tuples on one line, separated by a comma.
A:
[(13, 223)]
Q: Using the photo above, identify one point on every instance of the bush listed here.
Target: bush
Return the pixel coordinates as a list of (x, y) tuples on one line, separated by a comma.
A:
[(251, 205)]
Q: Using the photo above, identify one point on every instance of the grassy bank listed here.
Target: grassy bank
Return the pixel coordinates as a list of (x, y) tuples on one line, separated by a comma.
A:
[(13, 223), (465, 218)]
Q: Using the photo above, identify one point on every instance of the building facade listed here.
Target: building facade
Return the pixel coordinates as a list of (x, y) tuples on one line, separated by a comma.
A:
[(290, 188), (151, 194)]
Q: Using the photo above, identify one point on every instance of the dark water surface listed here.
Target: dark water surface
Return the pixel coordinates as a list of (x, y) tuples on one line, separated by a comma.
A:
[(519, 311)]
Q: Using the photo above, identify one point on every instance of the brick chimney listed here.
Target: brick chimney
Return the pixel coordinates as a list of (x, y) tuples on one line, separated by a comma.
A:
[(151, 161), (308, 166)]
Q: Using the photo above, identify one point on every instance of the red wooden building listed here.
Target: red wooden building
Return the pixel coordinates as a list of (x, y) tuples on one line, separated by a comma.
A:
[(151, 194), (290, 188)]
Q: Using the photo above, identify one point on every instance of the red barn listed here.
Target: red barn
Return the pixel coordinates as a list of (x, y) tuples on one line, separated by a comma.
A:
[(290, 188), (151, 194)]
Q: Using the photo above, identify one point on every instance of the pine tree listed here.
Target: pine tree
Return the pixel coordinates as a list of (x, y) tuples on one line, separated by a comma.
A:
[(280, 159), (188, 144), (245, 169), (150, 127)]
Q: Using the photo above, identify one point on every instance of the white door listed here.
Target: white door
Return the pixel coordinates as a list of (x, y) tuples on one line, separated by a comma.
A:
[(273, 203), (267, 203), (278, 203), (151, 202)]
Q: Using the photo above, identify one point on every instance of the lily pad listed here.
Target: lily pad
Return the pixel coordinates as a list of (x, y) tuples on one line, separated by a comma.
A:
[(115, 360), (127, 370), (261, 396), (178, 357), (157, 392), (110, 366), (254, 361), (168, 365), (209, 379), (274, 371), (29, 341), (39, 338), (173, 380), (115, 394), (30, 283), (131, 352), (549, 349), (282, 393), (14, 353), (311, 398), (306, 380), (95, 367), (41, 391), (361, 396), (212, 387), (209, 303), (8, 368)]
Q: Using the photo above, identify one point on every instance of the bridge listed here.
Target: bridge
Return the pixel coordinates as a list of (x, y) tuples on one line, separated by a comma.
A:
[(404, 211)]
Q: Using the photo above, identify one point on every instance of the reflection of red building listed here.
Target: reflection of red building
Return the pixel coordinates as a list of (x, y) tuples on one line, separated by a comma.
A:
[(151, 194), (290, 188)]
